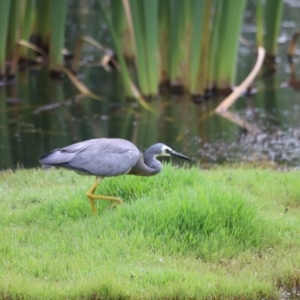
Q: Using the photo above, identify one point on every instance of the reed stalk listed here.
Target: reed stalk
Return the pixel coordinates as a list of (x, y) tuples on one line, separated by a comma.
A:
[(163, 24), (203, 74), (185, 51), (138, 31), (26, 28), (120, 25), (232, 16), (42, 29), (143, 15), (259, 23), (117, 46), (4, 17), (130, 87), (272, 14), (13, 25), (58, 12), (176, 31), (150, 12), (215, 45), (196, 42)]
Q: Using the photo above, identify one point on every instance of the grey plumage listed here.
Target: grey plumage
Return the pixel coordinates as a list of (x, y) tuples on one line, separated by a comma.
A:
[(97, 157), (107, 157)]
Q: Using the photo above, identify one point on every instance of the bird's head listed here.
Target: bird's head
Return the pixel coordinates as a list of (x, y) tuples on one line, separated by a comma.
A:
[(164, 150)]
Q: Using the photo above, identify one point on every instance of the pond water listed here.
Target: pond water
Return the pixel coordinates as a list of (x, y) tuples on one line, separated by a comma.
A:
[(38, 114)]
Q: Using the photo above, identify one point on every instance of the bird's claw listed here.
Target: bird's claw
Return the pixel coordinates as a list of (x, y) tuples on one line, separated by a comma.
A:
[(117, 202)]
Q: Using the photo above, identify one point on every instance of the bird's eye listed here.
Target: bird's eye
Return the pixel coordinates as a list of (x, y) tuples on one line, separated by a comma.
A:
[(167, 151)]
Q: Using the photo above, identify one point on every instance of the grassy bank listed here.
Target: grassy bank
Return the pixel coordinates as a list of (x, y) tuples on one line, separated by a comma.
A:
[(213, 234)]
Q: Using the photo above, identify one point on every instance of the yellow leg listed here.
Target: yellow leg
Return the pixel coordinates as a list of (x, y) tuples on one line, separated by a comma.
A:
[(92, 197)]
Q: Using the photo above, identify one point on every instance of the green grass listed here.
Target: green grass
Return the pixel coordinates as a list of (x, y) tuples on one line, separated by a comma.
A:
[(185, 233)]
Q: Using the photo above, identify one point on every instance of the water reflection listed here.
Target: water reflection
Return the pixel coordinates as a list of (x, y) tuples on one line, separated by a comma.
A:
[(39, 114), (5, 150)]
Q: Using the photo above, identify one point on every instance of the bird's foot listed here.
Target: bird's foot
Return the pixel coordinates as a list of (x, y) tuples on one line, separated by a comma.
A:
[(117, 202)]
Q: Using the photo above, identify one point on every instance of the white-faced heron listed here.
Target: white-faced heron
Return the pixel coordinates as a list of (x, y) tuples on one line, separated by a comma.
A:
[(107, 157)]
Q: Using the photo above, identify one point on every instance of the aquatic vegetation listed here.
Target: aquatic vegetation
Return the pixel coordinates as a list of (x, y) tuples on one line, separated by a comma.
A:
[(186, 45), (178, 43)]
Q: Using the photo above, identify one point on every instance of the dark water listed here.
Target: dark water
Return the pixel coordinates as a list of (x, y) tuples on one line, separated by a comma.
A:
[(38, 114)]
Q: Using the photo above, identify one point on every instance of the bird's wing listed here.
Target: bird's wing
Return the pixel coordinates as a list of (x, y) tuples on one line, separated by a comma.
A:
[(102, 157), (106, 157), (63, 155)]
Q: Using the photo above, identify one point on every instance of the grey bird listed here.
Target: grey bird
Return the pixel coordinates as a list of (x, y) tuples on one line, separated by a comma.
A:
[(108, 157)]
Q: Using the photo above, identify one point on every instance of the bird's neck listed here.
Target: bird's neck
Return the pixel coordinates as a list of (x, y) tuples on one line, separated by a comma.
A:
[(154, 165)]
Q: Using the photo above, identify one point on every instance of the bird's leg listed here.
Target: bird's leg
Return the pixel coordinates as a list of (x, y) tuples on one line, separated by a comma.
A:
[(92, 197), (90, 193)]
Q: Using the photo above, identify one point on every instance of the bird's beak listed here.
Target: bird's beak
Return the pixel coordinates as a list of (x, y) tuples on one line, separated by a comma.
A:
[(174, 153)]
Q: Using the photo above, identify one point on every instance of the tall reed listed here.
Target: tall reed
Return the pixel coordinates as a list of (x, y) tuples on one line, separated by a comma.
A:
[(196, 43), (231, 22), (121, 28), (192, 44), (216, 43), (14, 23), (203, 71), (179, 11), (272, 15), (42, 28), (259, 23), (58, 12), (143, 15), (26, 27), (4, 17), (117, 47), (150, 12)]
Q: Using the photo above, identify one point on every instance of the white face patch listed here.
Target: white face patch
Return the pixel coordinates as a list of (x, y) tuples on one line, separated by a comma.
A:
[(164, 152)]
